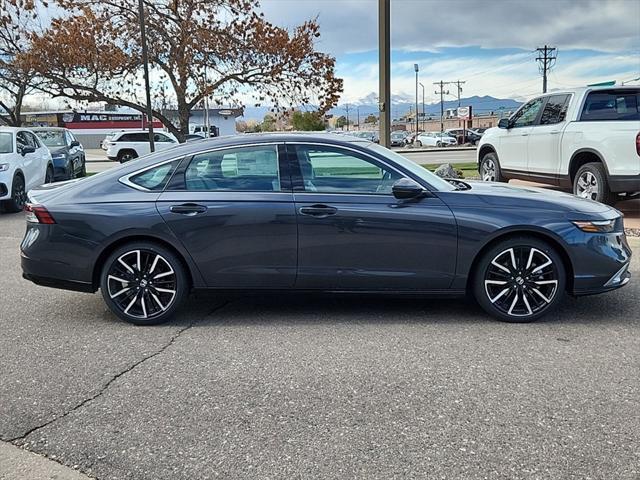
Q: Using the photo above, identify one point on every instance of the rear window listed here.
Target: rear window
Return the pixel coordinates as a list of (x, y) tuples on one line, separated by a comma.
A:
[(155, 178), (133, 137), (611, 105)]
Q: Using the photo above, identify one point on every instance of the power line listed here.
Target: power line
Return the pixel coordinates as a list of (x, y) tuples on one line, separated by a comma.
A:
[(547, 59), (458, 85)]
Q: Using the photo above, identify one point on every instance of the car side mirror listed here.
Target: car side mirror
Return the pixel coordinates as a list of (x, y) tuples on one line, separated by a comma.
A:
[(27, 149), (504, 123), (407, 189), (75, 143)]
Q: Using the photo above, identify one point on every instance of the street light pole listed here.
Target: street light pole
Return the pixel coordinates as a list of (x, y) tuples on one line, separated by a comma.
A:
[(415, 67), (423, 116), (145, 63), (384, 62)]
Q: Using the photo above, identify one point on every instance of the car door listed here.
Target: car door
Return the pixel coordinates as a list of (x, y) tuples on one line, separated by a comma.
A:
[(162, 141), (42, 157), (75, 152), (543, 150), (232, 209), (354, 235), (33, 175), (512, 150)]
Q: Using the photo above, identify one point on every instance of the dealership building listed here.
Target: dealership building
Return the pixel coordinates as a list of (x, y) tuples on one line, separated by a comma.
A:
[(90, 127)]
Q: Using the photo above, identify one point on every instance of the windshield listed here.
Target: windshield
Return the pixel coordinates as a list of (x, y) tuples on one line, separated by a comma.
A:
[(433, 180), (6, 142), (51, 138)]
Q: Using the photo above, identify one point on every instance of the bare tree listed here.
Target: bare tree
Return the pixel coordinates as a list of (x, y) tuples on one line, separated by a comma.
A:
[(224, 48), (17, 19)]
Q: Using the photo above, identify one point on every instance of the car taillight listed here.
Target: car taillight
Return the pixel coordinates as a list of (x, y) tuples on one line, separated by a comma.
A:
[(38, 214), (638, 143)]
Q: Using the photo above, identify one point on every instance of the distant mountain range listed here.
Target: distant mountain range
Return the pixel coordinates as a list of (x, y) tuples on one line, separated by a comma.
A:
[(401, 105)]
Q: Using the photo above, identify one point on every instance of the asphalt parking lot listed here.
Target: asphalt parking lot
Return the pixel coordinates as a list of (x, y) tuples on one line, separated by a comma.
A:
[(318, 387)]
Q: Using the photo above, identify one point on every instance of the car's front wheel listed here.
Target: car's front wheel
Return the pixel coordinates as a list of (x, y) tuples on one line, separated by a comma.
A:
[(143, 283), (519, 280), (18, 195), (126, 156)]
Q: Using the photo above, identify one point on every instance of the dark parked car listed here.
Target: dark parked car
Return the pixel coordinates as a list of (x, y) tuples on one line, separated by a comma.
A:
[(322, 213), (398, 138), (66, 152)]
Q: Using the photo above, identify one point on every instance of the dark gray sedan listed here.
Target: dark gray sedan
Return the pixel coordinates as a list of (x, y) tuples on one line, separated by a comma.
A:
[(319, 213), (66, 152)]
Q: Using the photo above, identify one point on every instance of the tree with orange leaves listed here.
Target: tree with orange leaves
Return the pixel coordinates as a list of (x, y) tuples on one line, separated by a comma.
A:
[(197, 49)]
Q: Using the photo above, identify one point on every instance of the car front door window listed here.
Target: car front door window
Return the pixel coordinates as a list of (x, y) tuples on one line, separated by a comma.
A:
[(528, 114), (328, 169)]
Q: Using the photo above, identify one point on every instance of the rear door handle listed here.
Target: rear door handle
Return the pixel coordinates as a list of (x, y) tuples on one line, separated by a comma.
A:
[(318, 211), (189, 209), (554, 132)]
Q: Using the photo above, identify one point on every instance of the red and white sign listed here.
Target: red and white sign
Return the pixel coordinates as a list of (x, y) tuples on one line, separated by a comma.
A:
[(463, 113)]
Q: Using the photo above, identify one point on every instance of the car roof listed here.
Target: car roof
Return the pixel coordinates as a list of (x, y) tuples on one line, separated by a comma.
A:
[(45, 129)]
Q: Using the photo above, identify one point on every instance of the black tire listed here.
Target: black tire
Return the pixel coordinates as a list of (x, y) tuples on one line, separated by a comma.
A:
[(489, 168), (126, 155), (418, 143), (591, 182), (131, 296), (72, 171), (18, 196), (530, 289), (439, 144), (83, 171), (48, 176)]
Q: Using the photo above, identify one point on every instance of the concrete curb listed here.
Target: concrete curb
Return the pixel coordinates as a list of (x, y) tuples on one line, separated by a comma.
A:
[(435, 149), (19, 464)]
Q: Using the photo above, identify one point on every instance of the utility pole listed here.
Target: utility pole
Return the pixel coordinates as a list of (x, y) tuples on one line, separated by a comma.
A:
[(458, 84), (384, 62), (358, 110), (415, 67), (347, 109), (423, 116), (547, 59), (145, 63), (442, 93)]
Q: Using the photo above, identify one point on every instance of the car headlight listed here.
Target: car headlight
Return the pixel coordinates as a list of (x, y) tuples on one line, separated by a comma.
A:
[(596, 226), (58, 156), (4, 167)]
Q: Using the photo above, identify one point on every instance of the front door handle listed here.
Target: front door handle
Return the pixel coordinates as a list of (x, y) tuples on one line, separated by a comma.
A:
[(318, 211), (189, 209)]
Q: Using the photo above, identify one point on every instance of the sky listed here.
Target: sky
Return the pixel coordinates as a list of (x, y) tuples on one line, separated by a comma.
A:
[(490, 44)]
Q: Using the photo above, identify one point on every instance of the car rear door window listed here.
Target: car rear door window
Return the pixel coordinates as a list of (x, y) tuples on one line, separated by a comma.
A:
[(555, 110), (245, 169), (21, 141), (155, 178), (611, 105), (328, 169)]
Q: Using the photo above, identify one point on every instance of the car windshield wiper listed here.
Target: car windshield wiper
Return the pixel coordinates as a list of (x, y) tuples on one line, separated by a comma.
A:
[(459, 184)]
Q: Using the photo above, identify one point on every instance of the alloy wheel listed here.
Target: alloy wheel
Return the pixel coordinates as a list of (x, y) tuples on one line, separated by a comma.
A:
[(587, 186), (521, 281), (19, 193), (142, 284), (488, 170)]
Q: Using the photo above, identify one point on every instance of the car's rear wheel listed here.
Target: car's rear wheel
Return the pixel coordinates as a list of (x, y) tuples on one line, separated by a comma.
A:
[(438, 144), (490, 168), (18, 196), (126, 156), (418, 143), (591, 182), (143, 283), (519, 280)]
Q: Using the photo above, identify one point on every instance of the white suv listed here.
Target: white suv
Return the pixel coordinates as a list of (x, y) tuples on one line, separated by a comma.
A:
[(125, 146), (24, 163), (586, 139), (435, 139)]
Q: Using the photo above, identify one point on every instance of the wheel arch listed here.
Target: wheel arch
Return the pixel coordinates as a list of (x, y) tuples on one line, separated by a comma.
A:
[(539, 234), (583, 156), (117, 243), (484, 149)]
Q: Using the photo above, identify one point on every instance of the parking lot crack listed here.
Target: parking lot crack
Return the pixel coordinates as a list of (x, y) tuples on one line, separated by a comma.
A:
[(18, 440)]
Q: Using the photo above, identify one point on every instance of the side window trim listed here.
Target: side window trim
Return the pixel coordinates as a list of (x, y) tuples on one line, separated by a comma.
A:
[(296, 174), (126, 179)]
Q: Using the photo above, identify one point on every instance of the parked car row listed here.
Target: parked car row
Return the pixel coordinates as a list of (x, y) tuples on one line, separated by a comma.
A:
[(31, 157)]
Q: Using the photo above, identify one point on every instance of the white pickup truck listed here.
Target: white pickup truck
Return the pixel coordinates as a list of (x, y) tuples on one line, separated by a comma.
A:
[(587, 139)]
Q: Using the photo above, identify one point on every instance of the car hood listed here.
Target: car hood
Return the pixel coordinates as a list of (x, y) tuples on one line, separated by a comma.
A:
[(58, 150), (504, 195)]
